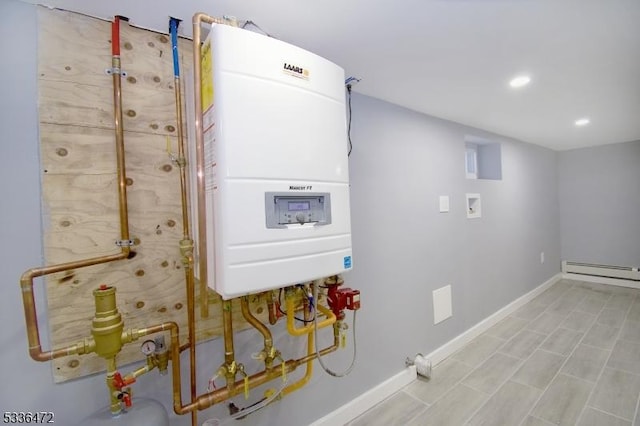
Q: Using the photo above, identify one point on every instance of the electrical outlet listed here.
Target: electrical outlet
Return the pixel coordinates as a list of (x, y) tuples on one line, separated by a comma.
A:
[(541, 257)]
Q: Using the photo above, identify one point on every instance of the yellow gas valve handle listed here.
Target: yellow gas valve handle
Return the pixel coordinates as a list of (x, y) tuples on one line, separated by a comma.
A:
[(246, 387)]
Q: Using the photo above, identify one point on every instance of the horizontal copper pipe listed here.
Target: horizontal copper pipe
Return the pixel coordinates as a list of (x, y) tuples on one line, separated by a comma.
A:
[(28, 301), (322, 352), (219, 395)]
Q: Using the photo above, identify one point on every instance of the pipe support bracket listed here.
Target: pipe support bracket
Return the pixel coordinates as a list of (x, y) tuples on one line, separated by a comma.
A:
[(111, 71)]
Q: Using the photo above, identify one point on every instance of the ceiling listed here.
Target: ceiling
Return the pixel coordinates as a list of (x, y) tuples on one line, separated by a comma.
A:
[(453, 59)]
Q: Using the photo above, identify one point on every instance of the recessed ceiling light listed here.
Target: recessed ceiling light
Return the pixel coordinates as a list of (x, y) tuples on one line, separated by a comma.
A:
[(520, 81), (582, 122)]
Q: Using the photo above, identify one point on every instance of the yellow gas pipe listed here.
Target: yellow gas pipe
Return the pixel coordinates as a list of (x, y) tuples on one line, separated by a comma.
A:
[(309, 368), (292, 329)]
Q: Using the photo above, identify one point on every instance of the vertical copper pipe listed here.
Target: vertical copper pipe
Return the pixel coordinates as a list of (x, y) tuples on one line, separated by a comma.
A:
[(119, 129), (271, 307), (26, 281), (197, 21), (200, 184), (186, 226), (192, 335), (187, 242), (227, 320), (255, 322)]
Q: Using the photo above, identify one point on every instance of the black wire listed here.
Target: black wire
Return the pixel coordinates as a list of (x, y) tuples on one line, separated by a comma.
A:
[(295, 317), (349, 123), (280, 303)]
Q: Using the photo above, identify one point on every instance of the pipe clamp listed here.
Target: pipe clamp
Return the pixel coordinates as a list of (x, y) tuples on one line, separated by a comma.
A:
[(124, 243), (111, 71)]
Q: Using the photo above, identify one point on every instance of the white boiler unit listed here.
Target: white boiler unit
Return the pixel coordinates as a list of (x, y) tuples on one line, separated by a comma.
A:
[(277, 175)]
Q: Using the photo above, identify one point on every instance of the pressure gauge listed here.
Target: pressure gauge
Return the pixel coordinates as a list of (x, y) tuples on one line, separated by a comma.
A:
[(148, 347)]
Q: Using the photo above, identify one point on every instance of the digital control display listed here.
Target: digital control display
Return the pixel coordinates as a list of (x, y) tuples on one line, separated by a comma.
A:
[(286, 209), (296, 206)]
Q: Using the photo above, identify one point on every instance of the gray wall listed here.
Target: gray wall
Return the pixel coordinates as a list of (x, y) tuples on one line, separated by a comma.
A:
[(599, 192), (403, 248)]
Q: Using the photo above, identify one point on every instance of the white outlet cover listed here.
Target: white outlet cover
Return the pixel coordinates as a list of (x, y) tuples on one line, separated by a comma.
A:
[(442, 308), (444, 203)]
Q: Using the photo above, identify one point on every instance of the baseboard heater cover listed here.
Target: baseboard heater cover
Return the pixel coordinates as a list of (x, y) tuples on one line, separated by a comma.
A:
[(609, 271)]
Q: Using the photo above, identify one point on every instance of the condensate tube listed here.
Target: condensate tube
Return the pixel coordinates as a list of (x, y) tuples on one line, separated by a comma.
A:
[(26, 281)]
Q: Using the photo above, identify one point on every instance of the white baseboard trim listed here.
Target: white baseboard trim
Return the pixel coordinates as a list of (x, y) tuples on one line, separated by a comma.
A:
[(458, 342), (602, 280), (373, 396), (359, 405)]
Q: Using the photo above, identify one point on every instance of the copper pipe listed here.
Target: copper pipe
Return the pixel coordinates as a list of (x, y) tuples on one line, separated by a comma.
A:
[(198, 18), (192, 333), (227, 321), (255, 322), (207, 400), (271, 307), (116, 73), (269, 352), (186, 231), (197, 21), (325, 351), (26, 281), (28, 301), (188, 252), (186, 245)]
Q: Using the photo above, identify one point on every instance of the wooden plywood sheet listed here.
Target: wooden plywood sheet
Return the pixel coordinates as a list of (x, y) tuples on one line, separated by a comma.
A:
[(79, 183)]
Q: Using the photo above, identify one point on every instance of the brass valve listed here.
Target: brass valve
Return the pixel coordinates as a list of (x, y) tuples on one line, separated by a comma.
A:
[(186, 250), (107, 324)]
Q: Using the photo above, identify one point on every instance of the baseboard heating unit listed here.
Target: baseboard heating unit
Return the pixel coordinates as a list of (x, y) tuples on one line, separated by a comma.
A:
[(607, 271)]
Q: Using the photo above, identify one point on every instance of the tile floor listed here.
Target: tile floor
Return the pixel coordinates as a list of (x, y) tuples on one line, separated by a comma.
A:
[(571, 356)]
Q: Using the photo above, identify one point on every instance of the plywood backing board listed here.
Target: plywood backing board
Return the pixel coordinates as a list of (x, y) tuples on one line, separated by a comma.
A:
[(79, 184)]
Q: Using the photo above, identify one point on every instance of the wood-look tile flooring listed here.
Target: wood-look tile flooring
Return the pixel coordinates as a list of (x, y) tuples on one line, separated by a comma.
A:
[(571, 356)]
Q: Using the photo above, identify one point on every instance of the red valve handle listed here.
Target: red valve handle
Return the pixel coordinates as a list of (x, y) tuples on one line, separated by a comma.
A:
[(126, 398), (119, 382)]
